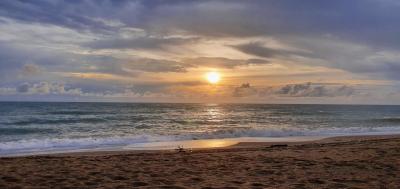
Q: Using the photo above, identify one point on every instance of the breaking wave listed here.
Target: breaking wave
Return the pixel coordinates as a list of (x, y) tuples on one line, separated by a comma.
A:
[(67, 144)]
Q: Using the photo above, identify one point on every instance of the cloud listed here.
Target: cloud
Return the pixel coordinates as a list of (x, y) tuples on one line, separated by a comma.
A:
[(152, 43), (348, 56), (370, 21), (314, 90), (259, 49), (221, 62), (79, 15), (30, 69), (57, 91), (355, 21), (80, 43), (154, 65), (46, 88), (295, 90), (23, 88), (7, 91), (19, 58), (244, 90), (132, 66)]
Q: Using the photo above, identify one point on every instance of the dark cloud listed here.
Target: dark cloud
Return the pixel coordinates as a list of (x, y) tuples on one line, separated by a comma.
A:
[(259, 49), (9, 58), (256, 61), (128, 67), (244, 90), (161, 86), (392, 69), (79, 15), (47, 88), (220, 62), (23, 88), (30, 69), (346, 56), (154, 65), (37, 62), (295, 90), (315, 90), (152, 43), (366, 21), (14, 57)]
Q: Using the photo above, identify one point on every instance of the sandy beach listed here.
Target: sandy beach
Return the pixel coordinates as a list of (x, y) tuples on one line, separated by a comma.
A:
[(339, 162)]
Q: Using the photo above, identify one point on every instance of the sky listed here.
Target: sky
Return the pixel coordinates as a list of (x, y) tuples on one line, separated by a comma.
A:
[(265, 51)]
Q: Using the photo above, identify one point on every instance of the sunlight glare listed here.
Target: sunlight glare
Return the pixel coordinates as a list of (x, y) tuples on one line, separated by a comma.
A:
[(213, 77)]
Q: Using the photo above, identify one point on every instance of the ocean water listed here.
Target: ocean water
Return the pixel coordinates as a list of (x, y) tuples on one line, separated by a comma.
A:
[(29, 127)]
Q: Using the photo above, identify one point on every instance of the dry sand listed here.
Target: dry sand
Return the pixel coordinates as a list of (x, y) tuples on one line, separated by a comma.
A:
[(341, 162)]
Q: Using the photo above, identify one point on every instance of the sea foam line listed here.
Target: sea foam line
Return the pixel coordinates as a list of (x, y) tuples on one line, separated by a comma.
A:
[(60, 144)]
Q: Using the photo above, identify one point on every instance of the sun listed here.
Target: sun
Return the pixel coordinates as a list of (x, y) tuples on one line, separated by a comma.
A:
[(213, 77)]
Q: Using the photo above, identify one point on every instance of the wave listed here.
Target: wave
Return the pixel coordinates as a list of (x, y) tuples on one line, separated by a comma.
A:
[(78, 112), (261, 132), (387, 120), (23, 131), (56, 121), (63, 144)]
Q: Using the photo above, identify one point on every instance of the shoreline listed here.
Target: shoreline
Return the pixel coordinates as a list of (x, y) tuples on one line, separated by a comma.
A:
[(170, 145), (202, 144), (336, 162)]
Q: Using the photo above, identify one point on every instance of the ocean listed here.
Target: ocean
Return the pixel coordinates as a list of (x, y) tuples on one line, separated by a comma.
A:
[(31, 127)]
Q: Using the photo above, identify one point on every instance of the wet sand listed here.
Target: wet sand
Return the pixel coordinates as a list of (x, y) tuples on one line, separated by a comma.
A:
[(340, 162)]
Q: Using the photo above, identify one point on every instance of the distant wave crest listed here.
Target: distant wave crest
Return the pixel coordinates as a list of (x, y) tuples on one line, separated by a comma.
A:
[(388, 120)]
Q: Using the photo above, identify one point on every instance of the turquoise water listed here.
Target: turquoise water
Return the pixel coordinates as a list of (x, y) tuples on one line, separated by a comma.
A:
[(46, 126)]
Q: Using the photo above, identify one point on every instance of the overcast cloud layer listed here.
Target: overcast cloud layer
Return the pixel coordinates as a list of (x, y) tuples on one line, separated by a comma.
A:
[(268, 51)]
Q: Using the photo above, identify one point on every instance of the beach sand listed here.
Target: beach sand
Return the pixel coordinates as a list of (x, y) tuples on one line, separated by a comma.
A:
[(340, 162)]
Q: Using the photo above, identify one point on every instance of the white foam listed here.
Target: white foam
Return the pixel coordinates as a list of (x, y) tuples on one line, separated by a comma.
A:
[(57, 144), (35, 146)]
